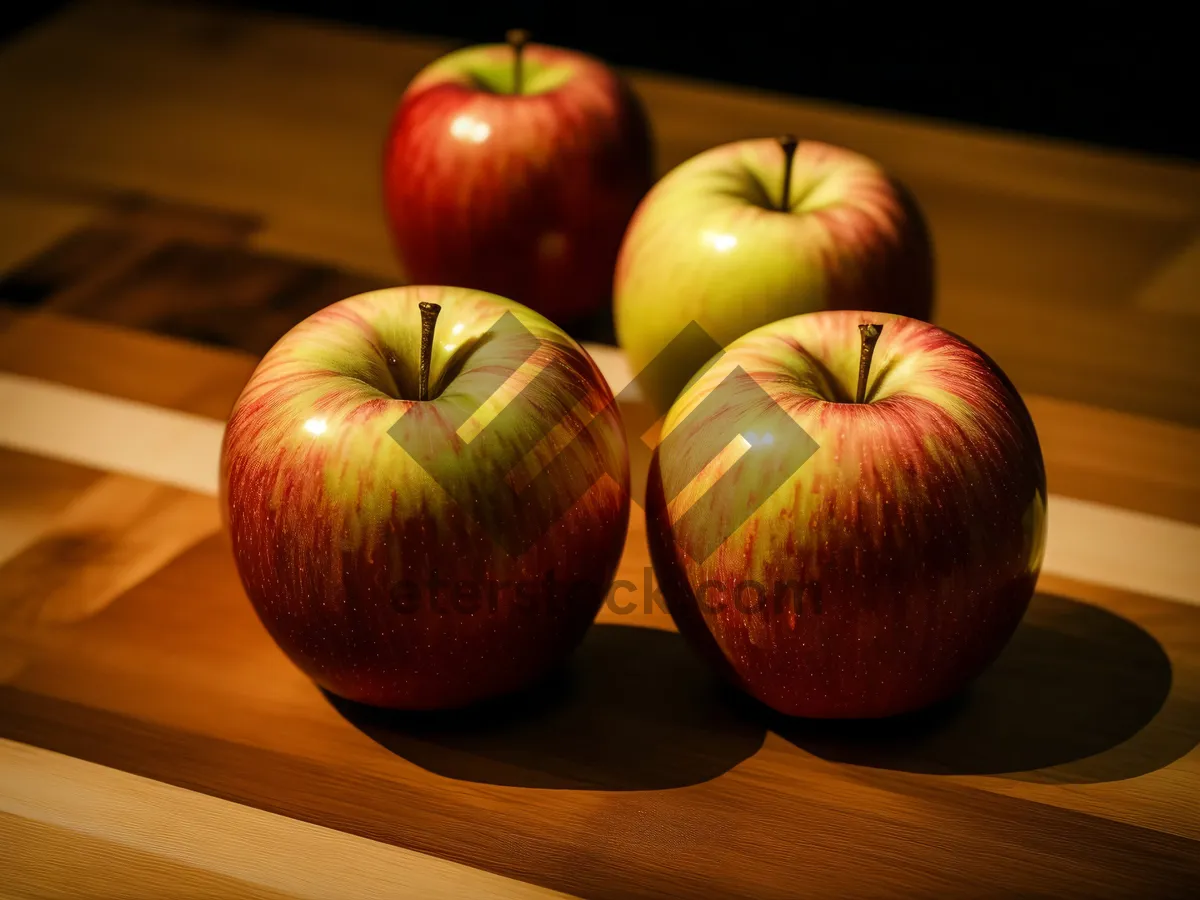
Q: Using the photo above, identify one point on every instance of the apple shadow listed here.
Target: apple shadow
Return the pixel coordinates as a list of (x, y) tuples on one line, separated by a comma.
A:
[(633, 709), (1079, 695)]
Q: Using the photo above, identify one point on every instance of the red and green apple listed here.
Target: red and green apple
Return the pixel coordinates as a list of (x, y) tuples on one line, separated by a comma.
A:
[(515, 169), (752, 232), (367, 485), (871, 561)]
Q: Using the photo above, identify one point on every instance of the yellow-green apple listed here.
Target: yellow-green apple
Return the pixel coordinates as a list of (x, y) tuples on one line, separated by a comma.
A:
[(515, 169), (426, 490), (752, 232), (848, 535)]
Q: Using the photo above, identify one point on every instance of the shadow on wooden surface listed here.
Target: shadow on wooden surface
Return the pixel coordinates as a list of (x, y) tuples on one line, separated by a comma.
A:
[(633, 710), (1078, 691), (1080, 695)]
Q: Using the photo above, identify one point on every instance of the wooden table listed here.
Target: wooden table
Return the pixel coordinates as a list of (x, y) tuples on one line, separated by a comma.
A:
[(181, 184)]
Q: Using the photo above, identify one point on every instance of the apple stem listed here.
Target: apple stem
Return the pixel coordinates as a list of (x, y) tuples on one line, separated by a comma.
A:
[(870, 336), (788, 143), (429, 314), (517, 39)]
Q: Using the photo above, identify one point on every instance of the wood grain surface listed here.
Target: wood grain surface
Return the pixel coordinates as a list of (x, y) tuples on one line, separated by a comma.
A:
[(125, 641), (70, 829), (154, 742)]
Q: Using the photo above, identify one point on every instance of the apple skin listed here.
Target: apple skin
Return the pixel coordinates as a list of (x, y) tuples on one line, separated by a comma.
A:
[(526, 196), (709, 245), (330, 520), (895, 563)]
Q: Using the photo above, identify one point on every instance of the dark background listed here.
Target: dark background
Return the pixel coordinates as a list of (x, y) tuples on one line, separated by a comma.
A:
[(1121, 75)]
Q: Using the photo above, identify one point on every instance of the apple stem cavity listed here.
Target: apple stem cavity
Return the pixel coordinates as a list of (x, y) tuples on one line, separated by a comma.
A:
[(788, 144), (870, 337), (429, 314), (517, 39)]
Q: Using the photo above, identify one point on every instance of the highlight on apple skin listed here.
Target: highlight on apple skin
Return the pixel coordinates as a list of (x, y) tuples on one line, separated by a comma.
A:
[(363, 569), (891, 566), (522, 189), (748, 233)]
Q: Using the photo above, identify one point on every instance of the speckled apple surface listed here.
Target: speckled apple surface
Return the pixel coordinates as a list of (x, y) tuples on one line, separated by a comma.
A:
[(897, 561), (364, 570)]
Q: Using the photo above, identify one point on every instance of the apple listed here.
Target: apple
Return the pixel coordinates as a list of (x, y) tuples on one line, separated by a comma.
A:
[(752, 232), (426, 492), (515, 169), (847, 513)]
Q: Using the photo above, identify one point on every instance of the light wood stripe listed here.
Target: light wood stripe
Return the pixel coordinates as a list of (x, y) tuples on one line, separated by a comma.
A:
[(173, 831), (1087, 541), (110, 433), (1121, 548)]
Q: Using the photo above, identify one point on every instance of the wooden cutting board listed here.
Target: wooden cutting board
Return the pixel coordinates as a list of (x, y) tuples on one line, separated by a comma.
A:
[(1070, 768)]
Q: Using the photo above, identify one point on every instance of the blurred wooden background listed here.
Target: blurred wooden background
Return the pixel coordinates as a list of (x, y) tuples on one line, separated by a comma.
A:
[(1077, 269)]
